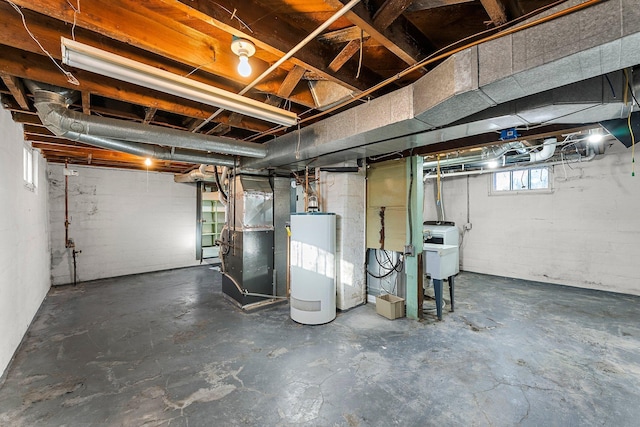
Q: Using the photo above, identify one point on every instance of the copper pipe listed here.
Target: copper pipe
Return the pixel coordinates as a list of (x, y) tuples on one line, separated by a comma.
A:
[(66, 206)]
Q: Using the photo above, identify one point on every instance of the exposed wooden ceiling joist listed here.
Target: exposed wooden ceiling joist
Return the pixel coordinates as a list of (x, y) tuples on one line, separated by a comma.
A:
[(261, 31), (193, 37), (48, 32), (343, 35), (393, 38), (16, 87), (41, 69), (86, 103), (418, 5), (496, 11)]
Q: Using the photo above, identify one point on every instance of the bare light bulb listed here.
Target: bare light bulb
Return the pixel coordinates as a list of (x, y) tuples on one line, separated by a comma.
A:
[(594, 138), (244, 69), (492, 164), (147, 161)]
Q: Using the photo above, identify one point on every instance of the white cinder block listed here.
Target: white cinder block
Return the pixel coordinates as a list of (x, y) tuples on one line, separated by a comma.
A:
[(125, 222), (24, 246), (583, 234)]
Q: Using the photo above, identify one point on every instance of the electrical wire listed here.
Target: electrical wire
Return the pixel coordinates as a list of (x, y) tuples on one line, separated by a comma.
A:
[(360, 60), (390, 269), (633, 144), (203, 65), (76, 10), (613, 92), (633, 138), (70, 77), (450, 50), (233, 16), (220, 189)]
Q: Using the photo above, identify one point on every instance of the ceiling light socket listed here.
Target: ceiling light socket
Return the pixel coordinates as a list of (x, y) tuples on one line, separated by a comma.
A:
[(242, 47)]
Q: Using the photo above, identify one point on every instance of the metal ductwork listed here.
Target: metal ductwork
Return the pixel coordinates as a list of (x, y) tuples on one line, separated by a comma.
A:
[(73, 125), (488, 154), (513, 81), (152, 151)]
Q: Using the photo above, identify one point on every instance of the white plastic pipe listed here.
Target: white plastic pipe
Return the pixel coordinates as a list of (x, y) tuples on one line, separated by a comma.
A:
[(548, 148)]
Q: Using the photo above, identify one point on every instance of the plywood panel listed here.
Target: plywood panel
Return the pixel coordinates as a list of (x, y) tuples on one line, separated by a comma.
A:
[(387, 187)]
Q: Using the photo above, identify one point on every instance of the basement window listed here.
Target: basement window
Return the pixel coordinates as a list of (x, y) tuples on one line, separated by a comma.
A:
[(29, 168), (521, 180)]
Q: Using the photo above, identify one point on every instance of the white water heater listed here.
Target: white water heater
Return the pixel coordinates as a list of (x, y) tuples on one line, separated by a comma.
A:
[(313, 267)]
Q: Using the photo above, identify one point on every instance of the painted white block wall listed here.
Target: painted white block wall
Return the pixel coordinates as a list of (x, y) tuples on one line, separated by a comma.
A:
[(124, 222), (585, 233), (344, 195), (24, 247)]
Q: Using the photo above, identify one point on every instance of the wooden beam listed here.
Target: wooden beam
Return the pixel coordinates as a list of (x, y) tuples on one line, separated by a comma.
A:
[(495, 10), (132, 22), (343, 36), (17, 89), (39, 68), (86, 103), (288, 85), (26, 118), (52, 140), (291, 81), (9, 103), (148, 115), (393, 38), (36, 130), (48, 32), (418, 5), (345, 54), (389, 12), (263, 21), (384, 17)]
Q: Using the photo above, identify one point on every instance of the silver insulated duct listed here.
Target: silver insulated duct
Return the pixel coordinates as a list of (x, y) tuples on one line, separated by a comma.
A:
[(131, 137)]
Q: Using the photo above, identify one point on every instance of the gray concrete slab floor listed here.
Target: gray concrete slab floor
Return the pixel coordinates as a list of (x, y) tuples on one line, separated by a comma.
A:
[(165, 348)]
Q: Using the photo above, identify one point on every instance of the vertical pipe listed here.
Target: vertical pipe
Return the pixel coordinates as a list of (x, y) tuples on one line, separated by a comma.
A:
[(66, 206), (318, 189), (306, 188), (288, 293)]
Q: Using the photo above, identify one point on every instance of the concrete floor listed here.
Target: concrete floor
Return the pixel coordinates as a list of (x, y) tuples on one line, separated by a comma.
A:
[(166, 349)]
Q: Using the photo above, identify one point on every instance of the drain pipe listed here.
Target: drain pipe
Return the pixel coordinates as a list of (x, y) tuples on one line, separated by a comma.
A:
[(548, 148), (576, 158), (194, 176), (488, 154)]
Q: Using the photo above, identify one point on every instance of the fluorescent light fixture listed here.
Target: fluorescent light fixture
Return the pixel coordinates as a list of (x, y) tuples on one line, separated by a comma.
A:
[(98, 61)]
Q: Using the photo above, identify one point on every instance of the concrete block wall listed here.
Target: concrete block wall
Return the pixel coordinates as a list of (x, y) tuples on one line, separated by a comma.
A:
[(344, 195), (123, 221), (583, 233), (24, 246)]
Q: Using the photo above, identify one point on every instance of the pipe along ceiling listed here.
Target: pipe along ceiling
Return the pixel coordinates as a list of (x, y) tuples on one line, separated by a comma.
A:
[(514, 81)]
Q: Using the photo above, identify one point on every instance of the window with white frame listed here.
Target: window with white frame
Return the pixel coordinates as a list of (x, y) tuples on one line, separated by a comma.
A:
[(29, 168), (517, 180)]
